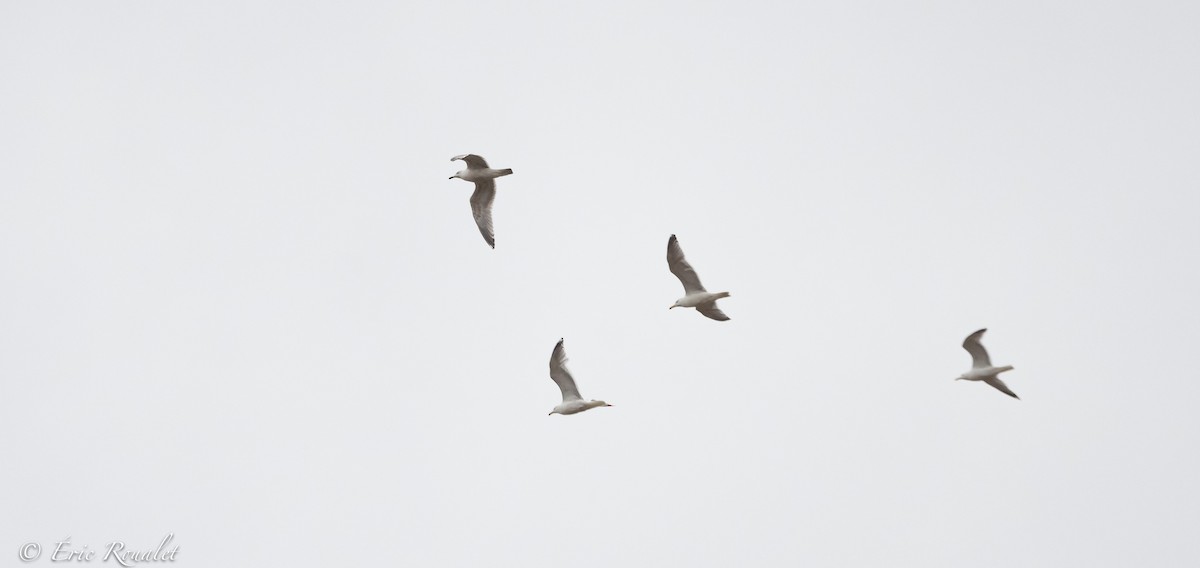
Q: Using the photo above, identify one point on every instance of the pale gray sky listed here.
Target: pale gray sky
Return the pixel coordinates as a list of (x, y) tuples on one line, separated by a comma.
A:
[(243, 303)]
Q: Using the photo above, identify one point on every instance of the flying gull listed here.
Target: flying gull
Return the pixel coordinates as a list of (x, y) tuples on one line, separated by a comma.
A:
[(695, 296), (981, 365), (484, 179), (572, 403)]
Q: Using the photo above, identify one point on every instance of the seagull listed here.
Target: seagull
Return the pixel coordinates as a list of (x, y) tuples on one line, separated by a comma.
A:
[(695, 296), (485, 191), (572, 403), (981, 366)]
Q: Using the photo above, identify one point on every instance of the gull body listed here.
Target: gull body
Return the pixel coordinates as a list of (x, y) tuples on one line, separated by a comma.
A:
[(695, 296), (484, 178), (577, 406), (572, 403), (981, 365), (699, 299)]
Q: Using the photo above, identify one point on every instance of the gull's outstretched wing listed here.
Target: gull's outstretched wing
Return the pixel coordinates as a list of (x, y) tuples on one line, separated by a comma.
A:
[(979, 355), (560, 374), (1000, 386), (474, 161), (481, 208), (682, 270), (711, 310)]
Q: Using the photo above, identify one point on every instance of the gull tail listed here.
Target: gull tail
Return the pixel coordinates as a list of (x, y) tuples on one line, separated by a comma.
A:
[(721, 295), (1003, 369)]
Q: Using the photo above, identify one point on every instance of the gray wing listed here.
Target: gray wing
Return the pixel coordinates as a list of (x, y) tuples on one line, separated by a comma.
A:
[(1000, 386), (979, 355), (562, 377), (681, 269), (711, 310), (481, 208), (474, 161)]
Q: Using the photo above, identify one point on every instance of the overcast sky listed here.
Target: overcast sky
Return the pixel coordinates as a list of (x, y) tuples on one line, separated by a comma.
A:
[(242, 303)]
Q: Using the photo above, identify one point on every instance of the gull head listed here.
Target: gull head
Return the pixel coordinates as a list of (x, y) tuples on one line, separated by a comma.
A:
[(600, 403), (454, 176), (675, 305)]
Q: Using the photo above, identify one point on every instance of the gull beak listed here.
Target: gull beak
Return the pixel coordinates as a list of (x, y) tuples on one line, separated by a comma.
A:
[(451, 177), (672, 307)]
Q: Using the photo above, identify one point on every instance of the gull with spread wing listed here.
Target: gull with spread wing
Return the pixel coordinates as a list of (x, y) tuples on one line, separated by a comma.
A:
[(695, 296), (981, 365), (484, 179), (572, 403)]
